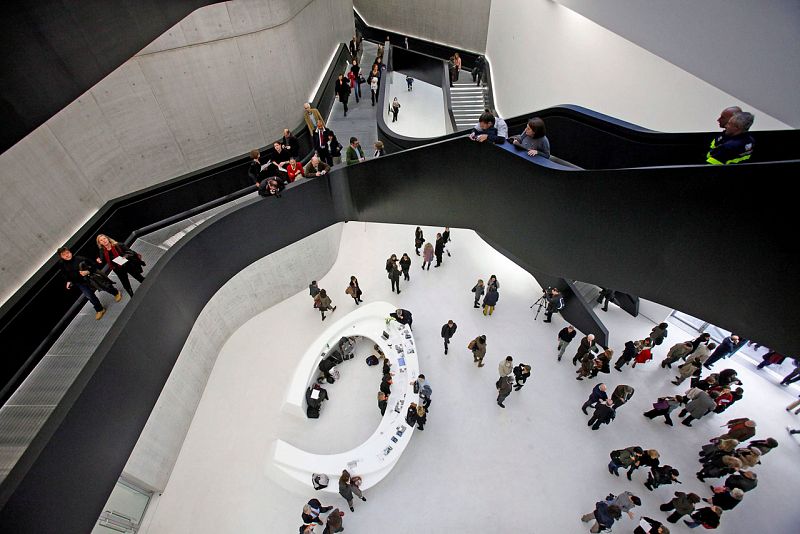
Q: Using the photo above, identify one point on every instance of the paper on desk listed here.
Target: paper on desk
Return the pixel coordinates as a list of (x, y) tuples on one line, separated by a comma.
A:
[(119, 260)]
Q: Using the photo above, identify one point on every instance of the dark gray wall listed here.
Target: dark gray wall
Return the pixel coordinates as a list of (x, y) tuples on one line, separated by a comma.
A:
[(746, 48)]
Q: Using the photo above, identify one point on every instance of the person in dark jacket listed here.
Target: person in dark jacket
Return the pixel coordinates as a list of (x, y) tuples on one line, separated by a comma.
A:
[(120, 259), (422, 417), (587, 344), (402, 317), (734, 144), (764, 445), (419, 239), (606, 295), (622, 394), (661, 475), (394, 276), (521, 374), (598, 394), (80, 272), (383, 401), (627, 355), (448, 330), (405, 266), (664, 406), (555, 303), (289, 143), (604, 516), (726, 499), (655, 527), (565, 337), (334, 147), (728, 346), (702, 339), (319, 138), (743, 480), (503, 387), (490, 300), (333, 523), (479, 290), (438, 249), (312, 511), (486, 131), (603, 414), (626, 458), (411, 414), (478, 348), (342, 89), (659, 333), (354, 290), (682, 504), (708, 517)]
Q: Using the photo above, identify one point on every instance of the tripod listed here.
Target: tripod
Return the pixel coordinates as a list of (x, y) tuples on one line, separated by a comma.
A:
[(541, 304)]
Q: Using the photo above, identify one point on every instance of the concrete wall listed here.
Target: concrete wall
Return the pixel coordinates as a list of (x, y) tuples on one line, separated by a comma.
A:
[(746, 48), (261, 285), (459, 23), (226, 79), (544, 54)]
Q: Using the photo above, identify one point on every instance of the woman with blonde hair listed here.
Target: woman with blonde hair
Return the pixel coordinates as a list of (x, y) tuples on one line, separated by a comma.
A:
[(120, 259)]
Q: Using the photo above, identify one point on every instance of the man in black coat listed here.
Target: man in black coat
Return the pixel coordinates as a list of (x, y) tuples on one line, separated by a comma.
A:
[(603, 414), (565, 337), (76, 271), (555, 302), (598, 395), (319, 138), (448, 329), (439, 249), (402, 317), (587, 344)]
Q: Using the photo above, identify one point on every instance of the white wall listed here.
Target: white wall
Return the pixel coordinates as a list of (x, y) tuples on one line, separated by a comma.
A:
[(226, 79), (256, 288), (459, 23), (654, 311), (543, 54)]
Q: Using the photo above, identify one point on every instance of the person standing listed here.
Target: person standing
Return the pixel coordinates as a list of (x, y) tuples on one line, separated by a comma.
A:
[(478, 290), (565, 337), (603, 414), (312, 117), (448, 330), (334, 148), (587, 345), (604, 516), (664, 406), (490, 300), (506, 366), (323, 302), (725, 349), (290, 143), (402, 317), (320, 140), (313, 290), (658, 334), (379, 151), (312, 511), (676, 352), (354, 290), (333, 523), (493, 282), (794, 376), (478, 348), (740, 429), (598, 394), (555, 303), (439, 249), (374, 83), (702, 339), (708, 517), (427, 255), (342, 89), (446, 239), (622, 394), (394, 276), (347, 488), (405, 266), (661, 475), (395, 109), (383, 400), (682, 504), (503, 386), (352, 75), (355, 154), (79, 272), (120, 259), (628, 354), (422, 417), (419, 239), (521, 374), (625, 458)]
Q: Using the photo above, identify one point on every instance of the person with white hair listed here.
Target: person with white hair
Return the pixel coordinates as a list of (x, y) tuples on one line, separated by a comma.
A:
[(734, 144)]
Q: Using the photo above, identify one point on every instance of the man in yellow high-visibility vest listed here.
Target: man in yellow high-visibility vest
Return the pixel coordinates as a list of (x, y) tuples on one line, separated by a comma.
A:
[(734, 144)]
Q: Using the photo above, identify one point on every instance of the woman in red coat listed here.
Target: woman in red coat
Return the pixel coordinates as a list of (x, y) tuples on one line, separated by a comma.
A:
[(644, 354)]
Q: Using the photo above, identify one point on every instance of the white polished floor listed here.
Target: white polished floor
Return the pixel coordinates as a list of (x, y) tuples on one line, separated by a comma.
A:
[(534, 467), (422, 111)]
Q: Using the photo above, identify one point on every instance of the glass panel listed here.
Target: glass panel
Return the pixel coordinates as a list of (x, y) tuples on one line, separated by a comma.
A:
[(125, 508), (688, 320)]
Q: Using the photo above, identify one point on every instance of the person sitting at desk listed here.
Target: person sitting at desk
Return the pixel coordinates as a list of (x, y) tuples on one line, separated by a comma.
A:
[(533, 139), (402, 317)]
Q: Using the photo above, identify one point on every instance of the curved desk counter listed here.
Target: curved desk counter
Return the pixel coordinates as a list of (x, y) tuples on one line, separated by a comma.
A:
[(375, 457)]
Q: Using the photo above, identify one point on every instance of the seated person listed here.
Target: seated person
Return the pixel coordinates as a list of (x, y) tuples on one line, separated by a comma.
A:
[(533, 139), (316, 167), (316, 395), (735, 144), (273, 187), (402, 317), (486, 130), (292, 168)]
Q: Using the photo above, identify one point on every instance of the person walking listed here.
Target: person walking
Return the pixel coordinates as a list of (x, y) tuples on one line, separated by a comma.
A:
[(622, 394), (313, 290), (342, 89), (493, 282), (664, 406), (448, 331), (374, 82), (661, 475), (478, 289), (478, 348), (419, 239), (628, 354), (565, 337), (506, 367), (698, 407), (603, 414), (79, 272), (503, 386), (354, 290), (394, 109), (439, 250), (333, 523), (676, 352), (726, 499), (626, 501), (347, 489), (604, 516), (312, 511), (740, 429), (728, 346), (427, 255), (598, 394), (394, 276), (691, 368), (490, 300), (658, 334), (624, 458), (521, 374), (120, 259), (681, 504), (323, 303), (794, 376), (405, 265), (708, 517)]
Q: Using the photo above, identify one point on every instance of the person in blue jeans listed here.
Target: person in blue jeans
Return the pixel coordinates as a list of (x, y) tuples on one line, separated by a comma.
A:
[(78, 272)]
